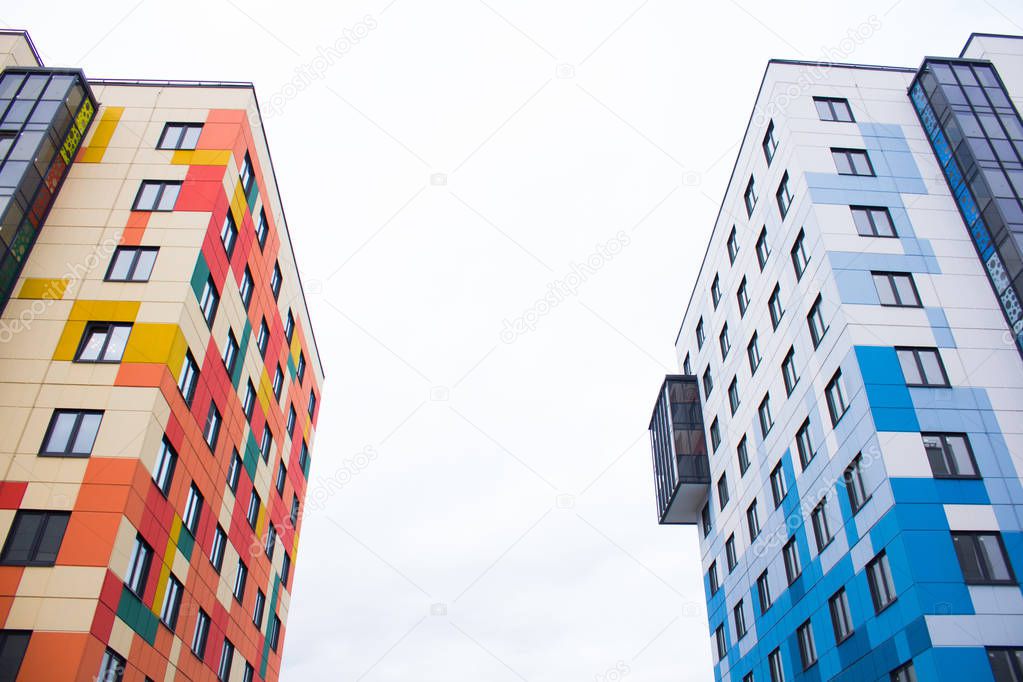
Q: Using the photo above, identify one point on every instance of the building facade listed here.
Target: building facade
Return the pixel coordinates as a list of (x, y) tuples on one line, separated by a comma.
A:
[(159, 381), (847, 429)]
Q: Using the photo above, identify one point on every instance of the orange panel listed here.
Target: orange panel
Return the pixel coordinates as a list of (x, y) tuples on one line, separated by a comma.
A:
[(5, 608), (56, 657), (89, 539), (218, 135), (90, 661), (94, 497), (10, 578), (110, 470), (137, 374)]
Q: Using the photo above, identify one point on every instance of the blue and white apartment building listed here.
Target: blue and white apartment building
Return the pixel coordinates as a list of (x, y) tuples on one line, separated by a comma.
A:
[(846, 431)]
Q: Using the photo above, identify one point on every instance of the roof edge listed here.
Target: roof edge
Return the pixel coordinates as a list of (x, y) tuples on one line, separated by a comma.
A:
[(28, 38)]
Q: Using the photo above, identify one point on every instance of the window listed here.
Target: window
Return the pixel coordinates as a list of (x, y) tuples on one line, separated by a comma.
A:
[(278, 382), (13, 644), (715, 290), (234, 472), (228, 234), (263, 339), (764, 412), (285, 569), (841, 619), (171, 602), (833, 109), (983, 559), (742, 296), (836, 398), (852, 162), (300, 367), (723, 342), (854, 484), (246, 287), (764, 592), (815, 321), (807, 648), (719, 639), (733, 395), (774, 306), (202, 630), (712, 578), (784, 196), (303, 456), (922, 366), (230, 356), (742, 452), (193, 509), (730, 554), (131, 264), (245, 175), (776, 667), (896, 289), (873, 221), (289, 327), (266, 443), (906, 673), (798, 254), (788, 371), (294, 510), (750, 196), (252, 513), (275, 281), (257, 609), (687, 367), (708, 383), (715, 434), (262, 228), (733, 246), (275, 631), (226, 658), (291, 420), (209, 301), (180, 136), (770, 145), (700, 336), (249, 403), (271, 542), (138, 567), (723, 490), (71, 433), (156, 195), (740, 620), (950, 455), (819, 520), (217, 550), (790, 555), (803, 444), (763, 252), (249, 674), (189, 378), (111, 668), (753, 353), (879, 576), (239, 581), (166, 462), (1006, 665), (753, 521), (312, 404), (212, 431), (778, 487)]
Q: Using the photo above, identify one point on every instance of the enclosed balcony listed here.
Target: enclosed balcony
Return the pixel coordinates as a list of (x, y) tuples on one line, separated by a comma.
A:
[(681, 468)]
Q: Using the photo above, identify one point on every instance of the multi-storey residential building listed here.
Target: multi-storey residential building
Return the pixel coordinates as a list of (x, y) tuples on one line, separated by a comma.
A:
[(159, 380), (847, 430)]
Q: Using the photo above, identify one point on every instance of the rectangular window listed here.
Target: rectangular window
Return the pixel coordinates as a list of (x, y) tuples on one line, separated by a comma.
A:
[(764, 412), (723, 342), (294, 510), (218, 547), (790, 554), (180, 136), (778, 486), (788, 371), (263, 339), (71, 433), (922, 367), (896, 289), (138, 567), (906, 673), (950, 455), (239, 581), (687, 367), (740, 620), (156, 195), (784, 196), (132, 264), (246, 287), (723, 490), (836, 398), (171, 602), (730, 554), (275, 281), (234, 472), (211, 432), (228, 234), (807, 648), (230, 356), (719, 639), (312, 404), (262, 229), (202, 631), (983, 559), (873, 221), (111, 668), (879, 577), (257, 609), (715, 434), (266, 443), (833, 109), (774, 306), (841, 619), (708, 383), (770, 145), (715, 290), (803, 443), (854, 484), (282, 475), (733, 395), (289, 327), (733, 246), (742, 452), (275, 631), (700, 336), (285, 569), (13, 644), (278, 382), (815, 321), (252, 513), (764, 592), (742, 296), (245, 175), (250, 674), (166, 462), (763, 252), (303, 457), (300, 367), (209, 301), (750, 196), (271, 542), (292, 417), (821, 530), (852, 162), (1006, 665), (226, 658), (249, 403), (193, 509), (798, 254), (775, 666), (705, 519), (189, 378), (712, 578), (753, 354), (753, 521)]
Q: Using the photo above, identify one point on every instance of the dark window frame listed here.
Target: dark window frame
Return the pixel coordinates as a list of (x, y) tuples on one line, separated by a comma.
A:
[(68, 450), (162, 187), (130, 275)]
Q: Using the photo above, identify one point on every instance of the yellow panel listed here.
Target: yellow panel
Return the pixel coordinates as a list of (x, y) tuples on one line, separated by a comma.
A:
[(296, 348), (175, 533), (294, 548), (201, 157), (265, 391), (161, 586), (260, 521), (101, 138), (106, 311), (69, 340), (38, 287), (154, 342), (238, 204)]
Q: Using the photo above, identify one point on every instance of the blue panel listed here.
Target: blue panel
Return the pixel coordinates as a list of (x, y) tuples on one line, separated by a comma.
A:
[(890, 402)]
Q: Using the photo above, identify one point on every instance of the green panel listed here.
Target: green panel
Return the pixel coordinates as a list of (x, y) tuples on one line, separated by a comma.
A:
[(186, 543), (253, 193), (242, 347), (292, 370), (251, 456), (135, 614), (199, 276), (305, 468), (266, 638)]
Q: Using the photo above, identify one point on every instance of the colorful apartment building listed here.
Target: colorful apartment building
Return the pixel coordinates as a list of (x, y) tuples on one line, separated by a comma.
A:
[(159, 380)]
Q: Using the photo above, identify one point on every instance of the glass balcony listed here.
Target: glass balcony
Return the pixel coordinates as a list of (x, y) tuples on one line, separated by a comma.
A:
[(679, 446)]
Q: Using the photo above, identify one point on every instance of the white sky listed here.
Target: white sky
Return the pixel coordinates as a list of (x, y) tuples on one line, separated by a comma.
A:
[(556, 125)]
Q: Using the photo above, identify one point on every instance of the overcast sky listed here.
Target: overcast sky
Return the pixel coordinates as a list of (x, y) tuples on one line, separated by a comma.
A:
[(445, 166)]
